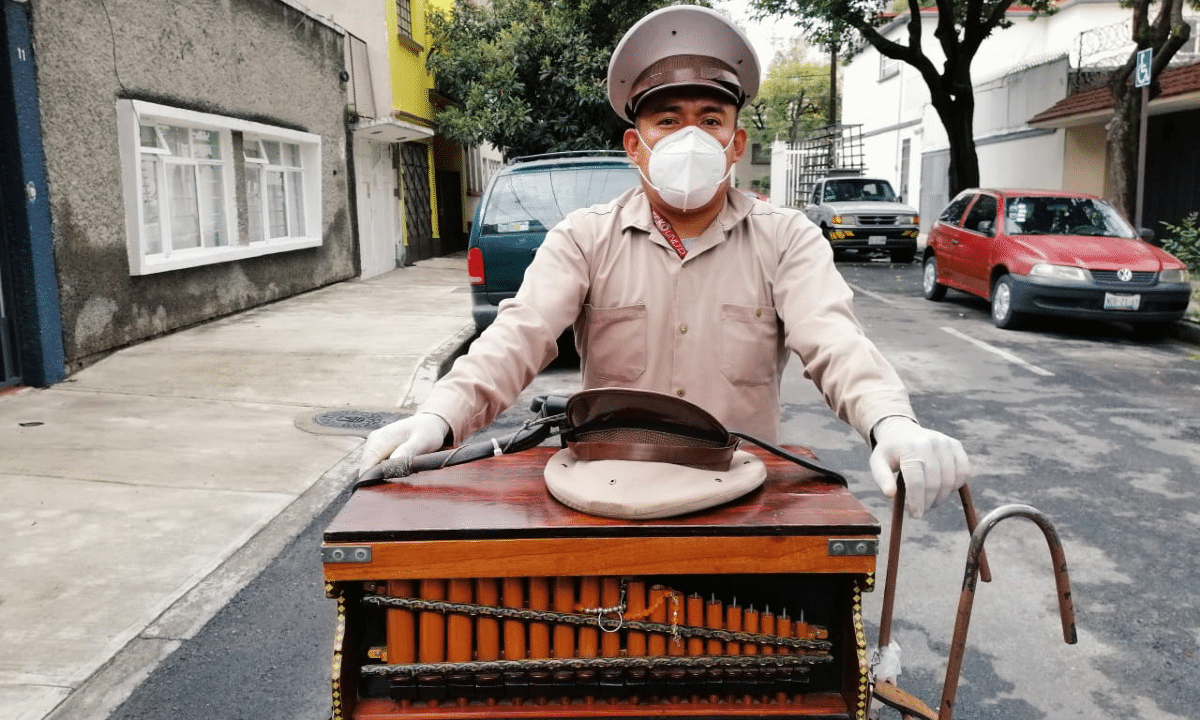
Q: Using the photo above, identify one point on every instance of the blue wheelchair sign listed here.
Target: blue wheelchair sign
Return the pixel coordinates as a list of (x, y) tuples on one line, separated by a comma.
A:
[(1141, 76)]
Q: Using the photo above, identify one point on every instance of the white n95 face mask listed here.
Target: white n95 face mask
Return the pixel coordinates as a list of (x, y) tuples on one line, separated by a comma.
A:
[(687, 167)]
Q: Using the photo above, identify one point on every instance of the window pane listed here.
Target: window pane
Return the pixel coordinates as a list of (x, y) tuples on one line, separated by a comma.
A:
[(212, 206), (206, 145), (541, 199), (254, 202), (149, 136), (177, 141), (271, 147), (276, 206), (252, 150), (185, 222), (151, 223), (291, 155), (984, 210), (295, 205)]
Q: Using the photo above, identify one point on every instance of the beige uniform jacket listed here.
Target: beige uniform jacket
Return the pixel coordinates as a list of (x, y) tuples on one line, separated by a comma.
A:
[(715, 328)]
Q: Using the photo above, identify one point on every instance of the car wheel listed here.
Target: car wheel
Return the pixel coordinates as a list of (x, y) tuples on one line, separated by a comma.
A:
[(903, 257), (934, 290), (1003, 314)]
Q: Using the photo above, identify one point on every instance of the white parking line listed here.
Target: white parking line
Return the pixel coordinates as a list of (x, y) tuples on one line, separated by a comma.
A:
[(1002, 353), (868, 293)]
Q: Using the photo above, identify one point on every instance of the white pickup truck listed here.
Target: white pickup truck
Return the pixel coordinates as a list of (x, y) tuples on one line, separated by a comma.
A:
[(862, 214)]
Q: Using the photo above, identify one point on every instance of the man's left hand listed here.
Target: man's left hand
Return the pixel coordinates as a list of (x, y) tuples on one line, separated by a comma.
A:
[(933, 465)]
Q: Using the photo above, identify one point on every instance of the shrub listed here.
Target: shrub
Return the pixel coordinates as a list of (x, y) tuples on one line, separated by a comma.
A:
[(1185, 243)]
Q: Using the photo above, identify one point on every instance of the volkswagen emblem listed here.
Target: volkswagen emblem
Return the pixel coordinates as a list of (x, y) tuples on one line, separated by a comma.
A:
[(1124, 274)]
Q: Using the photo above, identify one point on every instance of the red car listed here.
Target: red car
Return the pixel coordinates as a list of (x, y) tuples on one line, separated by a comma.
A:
[(1045, 252)]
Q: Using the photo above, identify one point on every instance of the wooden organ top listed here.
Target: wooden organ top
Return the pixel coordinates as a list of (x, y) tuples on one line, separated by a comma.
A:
[(471, 592)]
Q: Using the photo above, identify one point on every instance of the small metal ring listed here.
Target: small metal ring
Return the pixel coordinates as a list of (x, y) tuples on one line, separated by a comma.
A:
[(614, 628)]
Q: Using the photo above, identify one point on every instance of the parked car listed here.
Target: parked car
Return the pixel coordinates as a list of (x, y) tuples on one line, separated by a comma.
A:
[(1042, 252), (523, 200), (863, 214)]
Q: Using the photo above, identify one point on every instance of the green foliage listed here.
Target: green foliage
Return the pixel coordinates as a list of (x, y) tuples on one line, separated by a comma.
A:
[(1185, 244), (793, 98), (528, 75)]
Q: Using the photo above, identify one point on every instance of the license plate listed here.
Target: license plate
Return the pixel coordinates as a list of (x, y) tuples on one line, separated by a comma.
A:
[(876, 240), (1113, 301)]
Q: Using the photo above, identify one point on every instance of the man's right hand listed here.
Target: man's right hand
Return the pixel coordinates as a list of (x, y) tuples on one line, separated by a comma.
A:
[(416, 435)]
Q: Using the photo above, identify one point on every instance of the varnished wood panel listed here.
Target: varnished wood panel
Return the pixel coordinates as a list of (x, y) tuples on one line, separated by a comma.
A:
[(598, 556), (506, 498)]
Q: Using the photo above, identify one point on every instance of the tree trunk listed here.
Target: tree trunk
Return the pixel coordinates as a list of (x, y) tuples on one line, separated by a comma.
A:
[(958, 116), (1120, 182)]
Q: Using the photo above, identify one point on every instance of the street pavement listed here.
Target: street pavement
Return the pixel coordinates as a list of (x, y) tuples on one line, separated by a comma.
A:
[(139, 495)]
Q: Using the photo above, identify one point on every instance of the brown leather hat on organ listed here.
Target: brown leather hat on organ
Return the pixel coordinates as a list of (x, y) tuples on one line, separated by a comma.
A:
[(637, 454)]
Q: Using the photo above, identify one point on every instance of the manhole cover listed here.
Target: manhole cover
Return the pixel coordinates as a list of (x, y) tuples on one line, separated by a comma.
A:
[(350, 419)]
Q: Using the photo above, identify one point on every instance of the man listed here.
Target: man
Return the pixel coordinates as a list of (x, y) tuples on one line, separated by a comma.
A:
[(684, 286)]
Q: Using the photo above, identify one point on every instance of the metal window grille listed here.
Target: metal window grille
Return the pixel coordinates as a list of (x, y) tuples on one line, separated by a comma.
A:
[(832, 149), (404, 18), (362, 95)]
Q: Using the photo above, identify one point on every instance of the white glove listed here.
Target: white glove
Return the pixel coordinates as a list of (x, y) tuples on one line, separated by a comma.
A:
[(416, 435), (933, 465)]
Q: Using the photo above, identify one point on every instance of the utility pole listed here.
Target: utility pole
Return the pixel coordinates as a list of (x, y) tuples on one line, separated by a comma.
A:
[(833, 91), (835, 136)]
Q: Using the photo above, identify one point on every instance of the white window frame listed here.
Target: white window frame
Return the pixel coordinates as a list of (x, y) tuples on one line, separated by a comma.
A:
[(132, 114), (257, 160)]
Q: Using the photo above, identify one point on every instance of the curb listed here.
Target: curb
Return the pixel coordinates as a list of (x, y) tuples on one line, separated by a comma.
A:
[(1187, 331), (434, 366)]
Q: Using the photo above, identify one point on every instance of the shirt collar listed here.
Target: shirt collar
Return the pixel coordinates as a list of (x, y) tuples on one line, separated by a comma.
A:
[(635, 212)]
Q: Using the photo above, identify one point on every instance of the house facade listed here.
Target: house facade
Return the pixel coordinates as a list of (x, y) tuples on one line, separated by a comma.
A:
[(164, 164), (415, 192), (1018, 73)]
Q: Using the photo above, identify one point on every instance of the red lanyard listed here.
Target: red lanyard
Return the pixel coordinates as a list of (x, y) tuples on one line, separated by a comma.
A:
[(669, 233)]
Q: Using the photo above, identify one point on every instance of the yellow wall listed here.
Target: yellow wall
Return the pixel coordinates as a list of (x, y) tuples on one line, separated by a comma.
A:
[(411, 83), (1083, 159)]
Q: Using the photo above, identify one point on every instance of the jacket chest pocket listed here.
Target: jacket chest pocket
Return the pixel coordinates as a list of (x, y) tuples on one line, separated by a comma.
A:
[(615, 341), (749, 344)]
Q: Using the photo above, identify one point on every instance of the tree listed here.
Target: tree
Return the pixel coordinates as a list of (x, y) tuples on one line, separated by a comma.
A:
[(529, 76), (961, 27), (791, 100), (1165, 36)]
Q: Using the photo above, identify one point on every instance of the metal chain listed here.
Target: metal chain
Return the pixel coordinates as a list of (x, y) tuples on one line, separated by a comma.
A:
[(550, 616), (795, 662)]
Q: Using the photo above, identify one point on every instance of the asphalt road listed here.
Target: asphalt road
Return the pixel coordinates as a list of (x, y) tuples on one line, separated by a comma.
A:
[(1093, 426)]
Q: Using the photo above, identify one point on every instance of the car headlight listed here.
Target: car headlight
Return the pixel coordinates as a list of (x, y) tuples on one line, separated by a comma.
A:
[(1059, 272), (836, 220), (1175, 275), (911, 219)]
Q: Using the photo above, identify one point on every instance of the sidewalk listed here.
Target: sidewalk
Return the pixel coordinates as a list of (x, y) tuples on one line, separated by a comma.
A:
[(142, 493)]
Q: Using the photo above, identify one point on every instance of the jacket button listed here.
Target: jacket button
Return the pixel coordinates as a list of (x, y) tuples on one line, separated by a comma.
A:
[(681, 392), (758, 312), (683, 329)]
